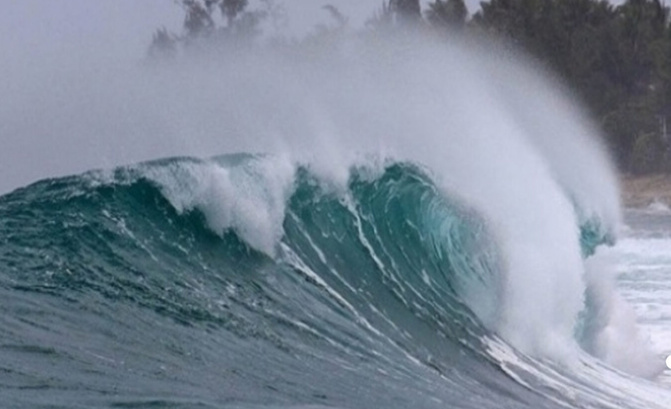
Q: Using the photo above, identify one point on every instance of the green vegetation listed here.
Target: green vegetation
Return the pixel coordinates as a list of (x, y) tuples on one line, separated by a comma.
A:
[(616, 58)]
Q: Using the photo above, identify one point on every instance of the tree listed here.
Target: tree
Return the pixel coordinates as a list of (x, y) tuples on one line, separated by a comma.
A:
[(162, 45), (198, 18), (231, 9), (406, 11), (201, 27), (449, 14), (617, 59)]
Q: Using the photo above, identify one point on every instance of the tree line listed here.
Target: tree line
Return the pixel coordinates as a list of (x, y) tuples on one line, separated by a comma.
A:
[(617, 59)]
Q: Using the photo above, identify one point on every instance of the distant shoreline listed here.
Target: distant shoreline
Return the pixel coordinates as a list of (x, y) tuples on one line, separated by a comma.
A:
[(643, 191)]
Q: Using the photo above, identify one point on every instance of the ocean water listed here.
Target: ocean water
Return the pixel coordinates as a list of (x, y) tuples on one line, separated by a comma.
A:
[(643, 271), (386, 224), (149, 286)]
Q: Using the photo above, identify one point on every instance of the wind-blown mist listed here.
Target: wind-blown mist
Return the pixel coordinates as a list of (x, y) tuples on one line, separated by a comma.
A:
[(490, 132)]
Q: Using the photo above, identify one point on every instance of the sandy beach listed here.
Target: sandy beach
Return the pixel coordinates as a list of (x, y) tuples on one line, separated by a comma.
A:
[(642, 191)]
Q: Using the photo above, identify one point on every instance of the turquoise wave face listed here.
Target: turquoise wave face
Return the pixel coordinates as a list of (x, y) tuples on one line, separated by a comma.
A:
[(387, 288), (401, 253)]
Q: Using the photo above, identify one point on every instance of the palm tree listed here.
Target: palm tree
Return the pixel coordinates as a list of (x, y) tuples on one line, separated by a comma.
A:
[(447, 14)]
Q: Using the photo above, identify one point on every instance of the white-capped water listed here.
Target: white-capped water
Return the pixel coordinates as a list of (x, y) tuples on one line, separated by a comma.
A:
[(249, 200), (643, 259)]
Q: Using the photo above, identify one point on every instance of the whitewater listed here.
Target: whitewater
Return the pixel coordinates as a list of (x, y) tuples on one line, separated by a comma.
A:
[(391, 222)]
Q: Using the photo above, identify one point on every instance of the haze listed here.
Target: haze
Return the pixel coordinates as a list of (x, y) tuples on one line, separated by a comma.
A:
[(56, 119)]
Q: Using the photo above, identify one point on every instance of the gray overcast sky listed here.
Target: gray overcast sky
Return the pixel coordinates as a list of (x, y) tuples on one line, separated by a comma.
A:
[(124, 27), (52, 52), (43, 43), (31, 29)]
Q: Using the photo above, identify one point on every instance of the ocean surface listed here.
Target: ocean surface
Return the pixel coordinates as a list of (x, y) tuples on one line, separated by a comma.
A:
[(643, 259), (199, 283)]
